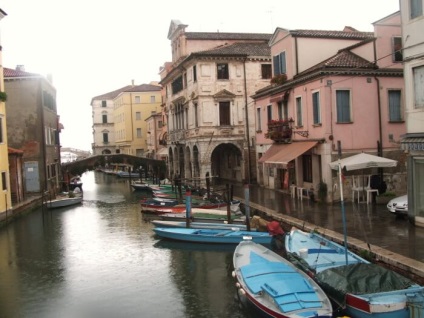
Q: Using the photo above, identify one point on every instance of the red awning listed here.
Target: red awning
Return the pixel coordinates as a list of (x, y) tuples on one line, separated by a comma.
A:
[(282, 154)]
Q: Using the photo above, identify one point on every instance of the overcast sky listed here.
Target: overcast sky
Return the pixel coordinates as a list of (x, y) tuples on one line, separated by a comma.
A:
[(92, 47)]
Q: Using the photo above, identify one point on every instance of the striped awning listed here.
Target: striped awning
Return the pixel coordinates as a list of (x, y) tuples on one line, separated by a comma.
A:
[(412, 144)]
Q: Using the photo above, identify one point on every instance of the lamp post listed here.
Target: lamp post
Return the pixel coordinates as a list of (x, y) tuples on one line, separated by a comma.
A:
[(249, 168)]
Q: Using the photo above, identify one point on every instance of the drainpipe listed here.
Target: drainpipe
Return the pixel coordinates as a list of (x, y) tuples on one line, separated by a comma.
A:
[(380, 132), (43, 140), (249, 171)]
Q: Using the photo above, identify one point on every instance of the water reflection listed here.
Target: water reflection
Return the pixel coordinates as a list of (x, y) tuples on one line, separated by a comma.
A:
[(101, 259)]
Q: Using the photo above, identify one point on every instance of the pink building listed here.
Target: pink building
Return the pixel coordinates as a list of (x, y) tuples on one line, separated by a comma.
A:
[(342, 92)]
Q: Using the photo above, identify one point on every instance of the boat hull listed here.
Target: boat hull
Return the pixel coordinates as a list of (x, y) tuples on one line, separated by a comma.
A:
[(362, 289), (274, 287), (198, 225), (212, 236), (63, 202)]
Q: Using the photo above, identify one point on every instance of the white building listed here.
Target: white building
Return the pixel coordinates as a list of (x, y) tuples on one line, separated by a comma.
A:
[(413, 141), (103, 124)]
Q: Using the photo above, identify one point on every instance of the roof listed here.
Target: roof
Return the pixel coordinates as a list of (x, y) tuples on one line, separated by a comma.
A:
[(245, 49), (10, 72), (227, 36), (128, 88), (343, 59), (13, 151), (349, 33)]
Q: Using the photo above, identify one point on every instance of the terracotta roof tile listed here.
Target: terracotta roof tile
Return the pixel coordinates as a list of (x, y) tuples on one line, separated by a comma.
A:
[(10, 72), (332, 34), (247, 49), (227, 36)]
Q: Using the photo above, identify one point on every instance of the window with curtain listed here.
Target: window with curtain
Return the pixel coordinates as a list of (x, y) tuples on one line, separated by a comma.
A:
[(222, 71), (269, 112), (224, 114), (397, 55), (279, 63), (266, 70), (258, 119), (395, 113), (416, 7), (418, 86), (299, 119), (343, 106), (3, 181), (316, 108), (194, 73), (307, 168)]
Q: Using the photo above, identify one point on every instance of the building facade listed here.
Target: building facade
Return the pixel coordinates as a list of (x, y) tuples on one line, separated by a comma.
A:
[(33, 127), (413, 140), (154, 124), (131, 108), (102, 108), (5, 197), (333, 93), (208, 105)]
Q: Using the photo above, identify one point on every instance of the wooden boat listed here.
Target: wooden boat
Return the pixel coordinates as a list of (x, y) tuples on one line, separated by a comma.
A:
[(141, 186), (168, 205), (212, 236), (126, 174), (63, 201), (363, 289), (199, 225), (198, 215), (274, 286)]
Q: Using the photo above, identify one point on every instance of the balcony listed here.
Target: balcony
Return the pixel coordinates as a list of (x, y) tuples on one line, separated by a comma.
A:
[(280, 130)]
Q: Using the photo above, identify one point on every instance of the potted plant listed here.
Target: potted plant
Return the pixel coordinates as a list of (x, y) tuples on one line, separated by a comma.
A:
[(279, 79), (3, 97)]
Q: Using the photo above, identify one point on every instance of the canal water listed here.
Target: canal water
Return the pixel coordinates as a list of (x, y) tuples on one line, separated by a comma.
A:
[(100, 259)]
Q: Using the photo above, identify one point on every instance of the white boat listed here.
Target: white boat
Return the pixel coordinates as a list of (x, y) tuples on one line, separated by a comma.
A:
[(63, 201), (274, 286)]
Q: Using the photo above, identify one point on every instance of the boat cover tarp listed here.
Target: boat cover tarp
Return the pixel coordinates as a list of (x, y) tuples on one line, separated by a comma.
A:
[(360, 279)]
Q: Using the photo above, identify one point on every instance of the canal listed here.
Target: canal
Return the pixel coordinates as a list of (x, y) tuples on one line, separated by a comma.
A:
[(100, 259)]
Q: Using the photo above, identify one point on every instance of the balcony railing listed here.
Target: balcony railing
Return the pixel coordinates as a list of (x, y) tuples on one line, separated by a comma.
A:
[(280, 130)]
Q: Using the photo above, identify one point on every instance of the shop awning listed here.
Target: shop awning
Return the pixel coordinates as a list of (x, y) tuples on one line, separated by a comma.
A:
[(412, 144), (282, 154), (163, 152)]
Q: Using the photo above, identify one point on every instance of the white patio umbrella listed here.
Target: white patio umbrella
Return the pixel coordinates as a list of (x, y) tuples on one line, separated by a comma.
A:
[(357, 162), (363, 161)]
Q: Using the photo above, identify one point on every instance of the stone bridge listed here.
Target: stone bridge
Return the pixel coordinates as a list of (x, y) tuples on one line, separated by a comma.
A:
[(78, 167)]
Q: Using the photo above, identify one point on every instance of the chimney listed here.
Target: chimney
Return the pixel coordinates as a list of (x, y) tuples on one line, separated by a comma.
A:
[(132, 82), (20, 67)]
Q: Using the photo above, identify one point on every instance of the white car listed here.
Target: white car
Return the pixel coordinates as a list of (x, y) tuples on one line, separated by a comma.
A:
[(398, 205)]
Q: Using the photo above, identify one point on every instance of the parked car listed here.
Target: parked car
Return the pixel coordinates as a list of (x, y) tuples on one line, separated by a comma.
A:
[(398, 205)]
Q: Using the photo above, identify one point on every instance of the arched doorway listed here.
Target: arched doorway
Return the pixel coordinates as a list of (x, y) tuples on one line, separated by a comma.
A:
[(226, 162)]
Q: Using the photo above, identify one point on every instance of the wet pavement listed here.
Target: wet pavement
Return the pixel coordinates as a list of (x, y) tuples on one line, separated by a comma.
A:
[(368, 226)]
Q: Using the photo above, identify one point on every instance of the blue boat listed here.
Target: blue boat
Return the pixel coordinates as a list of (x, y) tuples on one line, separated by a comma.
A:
[(199, 225), (275, 287), (217, 236), (361, 288)]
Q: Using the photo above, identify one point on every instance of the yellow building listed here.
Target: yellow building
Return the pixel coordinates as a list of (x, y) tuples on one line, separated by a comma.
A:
[(5, 198), (132, 107)]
